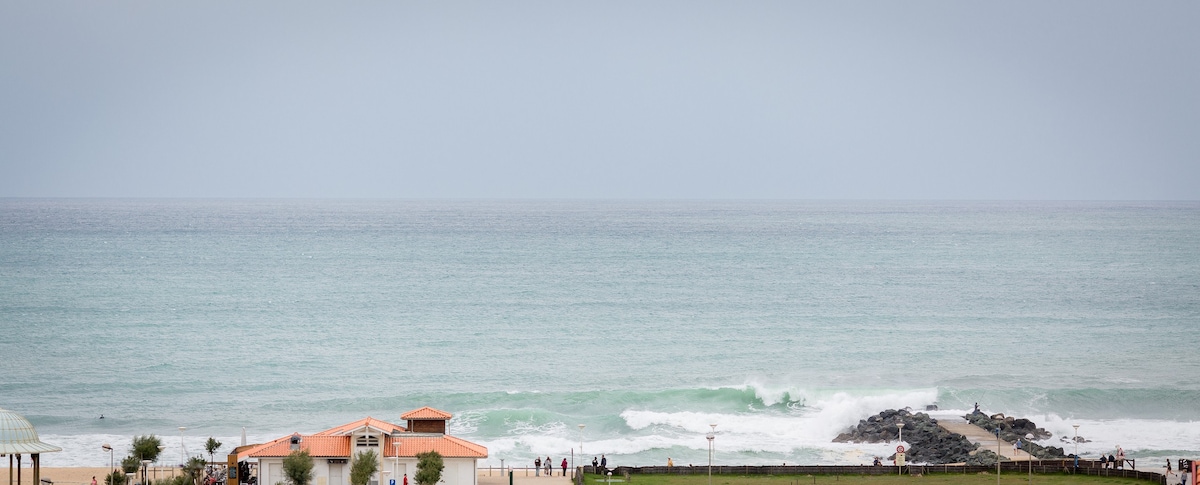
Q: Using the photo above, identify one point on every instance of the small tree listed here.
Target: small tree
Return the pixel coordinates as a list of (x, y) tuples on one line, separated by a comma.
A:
[(195, 467), (366, 463), (211, 447), (146, 448), (130, 464), (298, 468), (429, 468), (116, 477)]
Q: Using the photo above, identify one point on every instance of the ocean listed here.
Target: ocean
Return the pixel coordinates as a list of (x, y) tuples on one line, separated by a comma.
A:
[(782, 322)]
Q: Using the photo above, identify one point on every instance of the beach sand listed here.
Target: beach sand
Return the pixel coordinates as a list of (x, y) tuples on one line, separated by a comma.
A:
[(76, 475)]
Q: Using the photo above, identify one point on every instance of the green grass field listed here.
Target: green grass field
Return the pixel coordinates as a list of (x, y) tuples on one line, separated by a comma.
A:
[(930, 479)]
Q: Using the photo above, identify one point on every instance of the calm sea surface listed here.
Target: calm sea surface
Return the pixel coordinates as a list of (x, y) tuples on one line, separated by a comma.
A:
[(782, 322)]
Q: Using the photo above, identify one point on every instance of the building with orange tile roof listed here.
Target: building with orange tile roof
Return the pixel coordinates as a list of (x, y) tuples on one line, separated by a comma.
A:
[(332, 450)]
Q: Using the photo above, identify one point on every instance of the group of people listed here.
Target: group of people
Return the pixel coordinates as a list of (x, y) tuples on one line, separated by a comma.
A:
[(1113, 461), (539, 464), (600, 466)]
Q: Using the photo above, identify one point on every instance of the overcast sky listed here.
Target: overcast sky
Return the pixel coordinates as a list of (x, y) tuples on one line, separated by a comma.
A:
[(637, 99)]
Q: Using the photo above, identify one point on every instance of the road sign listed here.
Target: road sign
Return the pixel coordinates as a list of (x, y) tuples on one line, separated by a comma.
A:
[(899, 449)]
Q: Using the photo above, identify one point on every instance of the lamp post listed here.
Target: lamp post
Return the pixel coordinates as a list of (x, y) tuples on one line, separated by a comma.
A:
[(1028, 449), (711, 435), (111, 464), (145, 464), (997, 456), (156, 460), (901, 426), (182, 448), (1076, 426), (396, 462), (582, 459)]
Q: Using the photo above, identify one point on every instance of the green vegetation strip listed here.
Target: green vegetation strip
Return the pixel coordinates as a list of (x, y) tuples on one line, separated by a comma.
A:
[(929, 479)]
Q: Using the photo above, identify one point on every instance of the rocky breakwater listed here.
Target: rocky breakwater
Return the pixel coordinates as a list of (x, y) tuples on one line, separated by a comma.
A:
[(1014, 429), (928, 442)]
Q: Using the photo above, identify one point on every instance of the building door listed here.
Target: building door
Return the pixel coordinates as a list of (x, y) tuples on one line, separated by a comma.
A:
[(335, 474)]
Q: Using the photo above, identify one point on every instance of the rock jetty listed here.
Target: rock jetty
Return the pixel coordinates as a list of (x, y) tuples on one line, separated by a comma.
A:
[(929, 443), (1013, 429), (932, 444)]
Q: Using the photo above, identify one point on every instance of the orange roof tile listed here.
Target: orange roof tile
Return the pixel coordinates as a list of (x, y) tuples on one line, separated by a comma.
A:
[(317, 445), (426, 413), (447, 446), (385, 426)]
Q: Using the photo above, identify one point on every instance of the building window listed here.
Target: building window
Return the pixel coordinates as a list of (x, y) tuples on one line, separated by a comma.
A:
[(367, 441)]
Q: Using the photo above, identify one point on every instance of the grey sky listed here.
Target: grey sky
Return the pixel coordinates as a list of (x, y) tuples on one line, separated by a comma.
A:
[(838, 99)]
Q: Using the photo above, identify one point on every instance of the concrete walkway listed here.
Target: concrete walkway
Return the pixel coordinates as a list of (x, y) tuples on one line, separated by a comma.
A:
[(520, 478), (985, 439)]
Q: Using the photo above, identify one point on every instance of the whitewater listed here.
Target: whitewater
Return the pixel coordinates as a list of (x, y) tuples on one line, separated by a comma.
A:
[(782, 322)]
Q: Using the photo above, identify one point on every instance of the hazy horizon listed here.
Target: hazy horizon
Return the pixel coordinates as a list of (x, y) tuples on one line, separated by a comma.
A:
[(920, 100)]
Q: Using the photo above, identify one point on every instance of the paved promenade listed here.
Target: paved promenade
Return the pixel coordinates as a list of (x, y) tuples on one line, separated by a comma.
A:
[(986, 440), (520, 477)]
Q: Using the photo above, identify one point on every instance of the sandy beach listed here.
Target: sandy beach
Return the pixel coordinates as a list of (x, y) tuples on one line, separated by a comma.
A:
[(77, 475)]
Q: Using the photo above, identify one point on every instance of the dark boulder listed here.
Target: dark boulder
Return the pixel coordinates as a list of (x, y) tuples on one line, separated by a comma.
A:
[(1014, 429), (928, 442)]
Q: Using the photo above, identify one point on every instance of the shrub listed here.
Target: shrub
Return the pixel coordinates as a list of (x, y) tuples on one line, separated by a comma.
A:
[(365, 465), (429, 468), (298, 468)]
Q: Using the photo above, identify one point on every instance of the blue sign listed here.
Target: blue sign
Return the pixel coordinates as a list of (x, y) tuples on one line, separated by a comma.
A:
[(391, 481)]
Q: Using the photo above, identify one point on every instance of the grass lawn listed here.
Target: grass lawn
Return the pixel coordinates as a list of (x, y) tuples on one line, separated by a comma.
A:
[(930, 479)]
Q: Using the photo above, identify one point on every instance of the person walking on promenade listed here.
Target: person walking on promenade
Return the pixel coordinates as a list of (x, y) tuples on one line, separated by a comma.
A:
[(549, 466), (564, 465), (537, 466), (595, 465), (603, 464)]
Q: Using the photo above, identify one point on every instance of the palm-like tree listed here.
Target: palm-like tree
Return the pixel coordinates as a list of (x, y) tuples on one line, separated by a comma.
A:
[(211, 446)]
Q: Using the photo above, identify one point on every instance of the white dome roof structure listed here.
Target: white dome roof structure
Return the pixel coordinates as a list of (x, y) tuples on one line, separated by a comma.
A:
[(17, 436)]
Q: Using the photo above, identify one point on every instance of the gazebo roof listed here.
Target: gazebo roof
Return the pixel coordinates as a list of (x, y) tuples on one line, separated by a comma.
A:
[(17, 436)]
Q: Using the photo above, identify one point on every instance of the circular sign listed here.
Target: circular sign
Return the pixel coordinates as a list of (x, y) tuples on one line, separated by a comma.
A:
[(900, 449)]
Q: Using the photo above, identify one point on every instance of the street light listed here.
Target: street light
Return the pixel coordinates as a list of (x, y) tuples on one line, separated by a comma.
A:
[(901, 426), (396, 463), (1029, 448), (581, 457), (1076, 426), (711, 434), (145, 476), (997, 456), (111, 464), (156, 457), (182, 449)]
